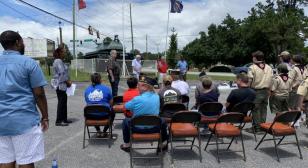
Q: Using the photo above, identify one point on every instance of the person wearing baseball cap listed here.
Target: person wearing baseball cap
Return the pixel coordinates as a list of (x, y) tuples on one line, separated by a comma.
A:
[(147, 103), (167, 93)]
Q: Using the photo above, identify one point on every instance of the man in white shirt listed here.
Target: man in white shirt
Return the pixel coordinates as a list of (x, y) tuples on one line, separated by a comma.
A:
[(136, 64), (182, 86)]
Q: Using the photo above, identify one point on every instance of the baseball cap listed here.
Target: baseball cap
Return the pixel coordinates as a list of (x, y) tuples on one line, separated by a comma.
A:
[(147, 80)]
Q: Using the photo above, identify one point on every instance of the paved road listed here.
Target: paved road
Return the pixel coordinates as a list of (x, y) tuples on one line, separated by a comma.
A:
[(65, 144)]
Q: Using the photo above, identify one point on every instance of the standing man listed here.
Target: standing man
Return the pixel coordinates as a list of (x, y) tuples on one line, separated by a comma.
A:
[(114, 71), (136, 64), (183, 66), (162, 68), (285, 58), (260, 75), (21, 89)]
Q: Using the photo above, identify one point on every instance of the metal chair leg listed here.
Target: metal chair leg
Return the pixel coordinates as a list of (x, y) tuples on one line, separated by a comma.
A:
[(230, 143), (84, 136), (161, 151), (88, 132), (199, 147), (276, 150), (243, 147), (208, 141), (217, 150), (110, 135), (192, 143), (261, 141), (299, 149), (280, 140), (131, 152)]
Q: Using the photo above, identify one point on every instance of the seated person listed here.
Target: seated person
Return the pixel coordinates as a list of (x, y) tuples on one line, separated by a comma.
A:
[(182, 86), (168, 94), (147, 103), (243, 94), (200, 89), (130, 93), (98, 93), (208, 94)]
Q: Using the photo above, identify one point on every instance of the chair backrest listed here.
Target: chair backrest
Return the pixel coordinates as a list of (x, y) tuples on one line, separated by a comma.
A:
[(232, 117), (146, 120), (210, 109), (170, 108), (185, 98), (186, 117), (243, 107), (117, 99), (288, 116), (95, 108)]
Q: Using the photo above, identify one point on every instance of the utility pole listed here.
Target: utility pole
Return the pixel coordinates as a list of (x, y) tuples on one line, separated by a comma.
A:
[(131, 26), (146, 45), (74, 37), (60, 30)]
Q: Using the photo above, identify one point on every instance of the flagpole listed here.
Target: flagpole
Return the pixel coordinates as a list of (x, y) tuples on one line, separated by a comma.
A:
[(123, 44), (167, 32), (74, 37)]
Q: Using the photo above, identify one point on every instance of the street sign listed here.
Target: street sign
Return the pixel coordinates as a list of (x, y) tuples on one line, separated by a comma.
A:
[(88, 40), (75, 40)]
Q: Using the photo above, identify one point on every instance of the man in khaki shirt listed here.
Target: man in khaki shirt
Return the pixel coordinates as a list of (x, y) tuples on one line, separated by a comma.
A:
[(297, 75), (280, 89), (260, 75), (302, 92)]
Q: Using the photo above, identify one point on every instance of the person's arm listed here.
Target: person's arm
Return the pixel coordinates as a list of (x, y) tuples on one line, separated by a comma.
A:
[(41, 101), (250, 75), (109, 69)]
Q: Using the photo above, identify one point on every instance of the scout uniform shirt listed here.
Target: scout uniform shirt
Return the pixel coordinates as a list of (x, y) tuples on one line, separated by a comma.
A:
[(261, 76), (303, 89), (281, 85), (297, 75)]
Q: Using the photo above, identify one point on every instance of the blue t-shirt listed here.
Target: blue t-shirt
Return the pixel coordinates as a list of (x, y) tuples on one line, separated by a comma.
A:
[(98, 94), (182, 65), (19, 74), (145, 104)]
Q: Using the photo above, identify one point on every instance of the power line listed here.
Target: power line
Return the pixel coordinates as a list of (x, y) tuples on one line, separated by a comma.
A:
[(42, 10)]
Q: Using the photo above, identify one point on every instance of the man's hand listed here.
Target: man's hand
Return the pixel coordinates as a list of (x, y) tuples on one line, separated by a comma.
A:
[(45, 124), (69, 83)]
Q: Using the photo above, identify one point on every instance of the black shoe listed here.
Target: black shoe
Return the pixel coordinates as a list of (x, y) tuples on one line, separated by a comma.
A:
[(164, 148), (68, 121), (62, 124)]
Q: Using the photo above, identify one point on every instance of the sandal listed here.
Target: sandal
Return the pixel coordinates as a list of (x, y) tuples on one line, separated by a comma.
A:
[(125, 149)]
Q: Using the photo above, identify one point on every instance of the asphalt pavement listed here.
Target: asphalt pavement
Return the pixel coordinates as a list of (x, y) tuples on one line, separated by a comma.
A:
[(65, 144)]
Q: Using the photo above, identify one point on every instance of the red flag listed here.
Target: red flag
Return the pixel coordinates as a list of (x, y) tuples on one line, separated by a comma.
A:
[(81, 4)]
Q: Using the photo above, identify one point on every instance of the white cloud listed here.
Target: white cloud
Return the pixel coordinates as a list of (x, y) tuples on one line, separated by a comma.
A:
[(149, 18)]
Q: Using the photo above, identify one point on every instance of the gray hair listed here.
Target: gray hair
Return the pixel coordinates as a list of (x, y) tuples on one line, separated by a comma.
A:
[(113, 51)]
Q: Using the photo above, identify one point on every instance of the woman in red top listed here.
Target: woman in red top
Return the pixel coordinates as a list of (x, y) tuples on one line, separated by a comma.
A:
[(162, 68), (130, 93)]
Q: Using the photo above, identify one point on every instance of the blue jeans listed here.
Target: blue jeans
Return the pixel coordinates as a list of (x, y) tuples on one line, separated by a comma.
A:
[(114, 85), (126, 130)]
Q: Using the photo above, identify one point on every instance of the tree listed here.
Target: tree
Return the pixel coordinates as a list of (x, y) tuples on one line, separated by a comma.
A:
[(80, 55), (68, 56), (171, 54)]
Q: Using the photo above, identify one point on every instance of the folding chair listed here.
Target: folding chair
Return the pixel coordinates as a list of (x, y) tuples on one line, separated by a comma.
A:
[(280, 127), (185, 124), (210, 112), (185, 100), (169, 109), (148, 121), (99, 122), (224, 127), (118, 106), (245, 108)]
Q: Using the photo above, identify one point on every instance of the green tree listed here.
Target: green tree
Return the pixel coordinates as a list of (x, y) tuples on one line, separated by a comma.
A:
[(68, 56), (80, 55), (173, 48)]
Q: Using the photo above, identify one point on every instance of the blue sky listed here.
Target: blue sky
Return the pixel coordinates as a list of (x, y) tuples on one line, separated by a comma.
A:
[(149, 18)]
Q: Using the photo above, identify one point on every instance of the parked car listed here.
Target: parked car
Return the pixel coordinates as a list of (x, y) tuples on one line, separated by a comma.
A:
[(241, 69), (220, 68)]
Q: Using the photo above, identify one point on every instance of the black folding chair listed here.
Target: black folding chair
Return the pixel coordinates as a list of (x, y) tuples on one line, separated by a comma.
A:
[(281, 127), (169, 109), (185, 100), (246, 108), (224, 127), (118, 106), (96, 122), (210, 112), (185, 124), (148, 121)]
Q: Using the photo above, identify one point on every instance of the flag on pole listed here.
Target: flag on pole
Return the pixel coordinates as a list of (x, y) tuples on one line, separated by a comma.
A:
[(81, 4), (176, 6)]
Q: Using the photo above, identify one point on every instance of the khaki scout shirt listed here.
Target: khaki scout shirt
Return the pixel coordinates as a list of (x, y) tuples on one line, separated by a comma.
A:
[(297, 77), (261, 78), (303, 89), (281, 87)]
